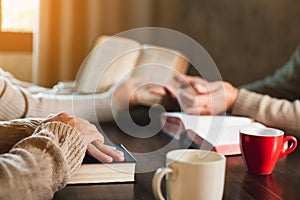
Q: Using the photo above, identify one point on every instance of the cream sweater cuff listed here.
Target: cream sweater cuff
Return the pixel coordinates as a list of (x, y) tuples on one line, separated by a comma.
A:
[(26, 123), (70, 141), (12, 101), (246, 104)]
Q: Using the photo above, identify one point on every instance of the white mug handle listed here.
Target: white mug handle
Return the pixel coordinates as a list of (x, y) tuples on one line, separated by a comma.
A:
[(156, 181)]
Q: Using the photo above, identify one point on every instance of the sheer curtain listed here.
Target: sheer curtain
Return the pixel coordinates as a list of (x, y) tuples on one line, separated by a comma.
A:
[(67, 30)]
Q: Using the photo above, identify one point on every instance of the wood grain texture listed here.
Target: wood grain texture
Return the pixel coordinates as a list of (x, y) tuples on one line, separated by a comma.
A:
[(283, 183)]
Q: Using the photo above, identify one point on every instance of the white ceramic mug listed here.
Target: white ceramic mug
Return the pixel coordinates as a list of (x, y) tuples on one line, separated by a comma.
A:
[(191, 174)]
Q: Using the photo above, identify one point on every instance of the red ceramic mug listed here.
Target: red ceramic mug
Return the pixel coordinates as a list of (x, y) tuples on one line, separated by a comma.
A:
[(262, 147)]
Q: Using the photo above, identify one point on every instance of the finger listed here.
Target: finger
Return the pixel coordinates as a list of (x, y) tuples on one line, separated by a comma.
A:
[(96, 153), (109, 150), (196, 80), (182, 78), (201, 106), (60, 114), (162, 91), (51, 115), (68, 120), (201, 89), (189, 89), (192, 111), (202, 110), (63, 114), (62, 117), (190, 80), (191, 102), (158, 90), (186, 98), (170, 91), (213, 86)]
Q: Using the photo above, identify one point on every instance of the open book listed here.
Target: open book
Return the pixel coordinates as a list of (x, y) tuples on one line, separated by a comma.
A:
[(218, 133), (93, 171), (115, 58)]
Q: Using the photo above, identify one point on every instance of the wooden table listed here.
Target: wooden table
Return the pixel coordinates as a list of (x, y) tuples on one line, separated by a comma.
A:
[(283, 183)]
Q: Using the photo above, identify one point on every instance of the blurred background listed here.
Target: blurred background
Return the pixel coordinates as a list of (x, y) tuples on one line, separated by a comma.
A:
[(246, 39)]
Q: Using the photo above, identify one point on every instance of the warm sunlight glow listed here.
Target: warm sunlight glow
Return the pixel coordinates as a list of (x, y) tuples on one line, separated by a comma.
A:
[(18, 15)]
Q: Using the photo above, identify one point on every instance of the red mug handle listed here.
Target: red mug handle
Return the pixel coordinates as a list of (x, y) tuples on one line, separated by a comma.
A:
[(291, 148)]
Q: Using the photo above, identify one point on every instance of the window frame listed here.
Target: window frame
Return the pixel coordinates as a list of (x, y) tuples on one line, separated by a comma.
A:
[(15, 41)]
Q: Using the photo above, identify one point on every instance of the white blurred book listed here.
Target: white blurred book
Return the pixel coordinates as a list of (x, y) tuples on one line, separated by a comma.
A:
[(218, 133)]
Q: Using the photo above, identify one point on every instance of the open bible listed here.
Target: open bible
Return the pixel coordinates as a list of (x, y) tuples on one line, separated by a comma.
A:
[(115, 59), (218, 133)]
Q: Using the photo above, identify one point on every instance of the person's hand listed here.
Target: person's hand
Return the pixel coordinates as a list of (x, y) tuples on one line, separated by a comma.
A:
[(198, 96), (92, 136), (209, 99), (190, 83), (124, 94)]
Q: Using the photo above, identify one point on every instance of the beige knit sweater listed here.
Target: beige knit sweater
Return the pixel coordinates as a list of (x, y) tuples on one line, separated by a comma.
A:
[(38, 164), (275, 100), (22, 99)]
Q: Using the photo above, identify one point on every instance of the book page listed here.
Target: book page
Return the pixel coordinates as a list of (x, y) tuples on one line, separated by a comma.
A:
[(111, 59), (158, 66), (218, 130)]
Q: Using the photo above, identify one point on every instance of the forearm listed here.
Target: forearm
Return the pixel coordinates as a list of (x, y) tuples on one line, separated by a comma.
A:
[(277, 113), (17, 102), (12, 101), (91, 107), (41, 164)]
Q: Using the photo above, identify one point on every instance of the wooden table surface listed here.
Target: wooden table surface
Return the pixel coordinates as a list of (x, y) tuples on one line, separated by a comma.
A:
[(150, 151)]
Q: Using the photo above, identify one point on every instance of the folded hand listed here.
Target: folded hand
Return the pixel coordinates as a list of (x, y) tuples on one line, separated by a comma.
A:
[(198, 96)]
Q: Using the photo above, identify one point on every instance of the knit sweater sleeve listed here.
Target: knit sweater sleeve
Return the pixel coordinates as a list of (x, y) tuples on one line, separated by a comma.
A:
[(284, 83), (92, 107), (12, 101), (19, 102), (13, 131), (39, 165), (273, 112)]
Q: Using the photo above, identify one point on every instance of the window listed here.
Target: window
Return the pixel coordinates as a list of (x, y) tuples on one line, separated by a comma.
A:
[(16, 24)]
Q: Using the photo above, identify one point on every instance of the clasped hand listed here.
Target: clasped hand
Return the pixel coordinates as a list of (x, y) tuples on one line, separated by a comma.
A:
[(197, 96)]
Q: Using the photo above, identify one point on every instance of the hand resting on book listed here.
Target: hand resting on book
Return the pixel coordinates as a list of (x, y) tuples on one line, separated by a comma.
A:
[(92, 137)]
